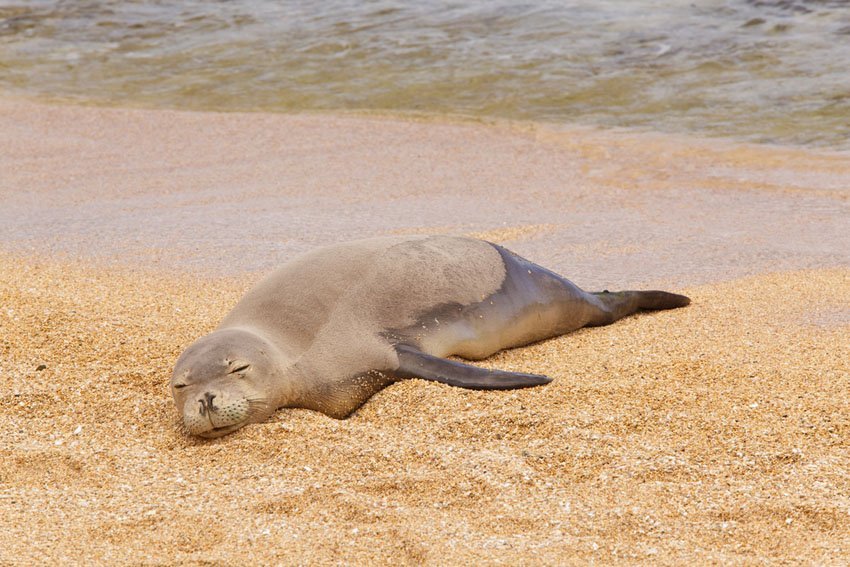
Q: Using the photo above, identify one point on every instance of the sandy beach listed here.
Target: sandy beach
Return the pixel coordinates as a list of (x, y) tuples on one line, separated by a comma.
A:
[(719, 433)]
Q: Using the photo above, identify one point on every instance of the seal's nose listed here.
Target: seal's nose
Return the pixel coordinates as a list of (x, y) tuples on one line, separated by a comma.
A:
[(207, 404)]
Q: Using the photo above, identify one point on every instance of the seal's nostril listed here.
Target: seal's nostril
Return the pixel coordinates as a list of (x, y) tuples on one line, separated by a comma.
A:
[(209, 401), (203, 410)]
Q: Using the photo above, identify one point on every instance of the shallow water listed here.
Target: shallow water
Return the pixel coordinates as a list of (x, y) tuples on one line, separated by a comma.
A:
[(759, 70)]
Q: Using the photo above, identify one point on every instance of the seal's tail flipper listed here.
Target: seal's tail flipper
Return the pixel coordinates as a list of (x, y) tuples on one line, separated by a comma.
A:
[(657, 300), (414, 363), (616, 305)]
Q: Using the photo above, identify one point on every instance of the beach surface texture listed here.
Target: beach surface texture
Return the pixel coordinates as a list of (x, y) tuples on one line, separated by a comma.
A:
[(718, 433)]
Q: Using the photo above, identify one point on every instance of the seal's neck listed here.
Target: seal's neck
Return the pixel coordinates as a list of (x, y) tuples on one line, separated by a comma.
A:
[(290, 387), (286, 385)]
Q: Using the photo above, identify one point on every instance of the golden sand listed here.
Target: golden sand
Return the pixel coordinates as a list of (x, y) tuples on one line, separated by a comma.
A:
[(715, 433)]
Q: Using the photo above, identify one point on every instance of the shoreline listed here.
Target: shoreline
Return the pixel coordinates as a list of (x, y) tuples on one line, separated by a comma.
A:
[(428, 116), (507, 125)]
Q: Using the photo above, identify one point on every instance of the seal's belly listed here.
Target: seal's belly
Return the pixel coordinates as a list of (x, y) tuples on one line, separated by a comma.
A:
[(501, 321), (484, 331)]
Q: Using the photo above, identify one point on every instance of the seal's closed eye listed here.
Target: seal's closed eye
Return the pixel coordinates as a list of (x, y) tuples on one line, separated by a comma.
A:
[(240, 368)]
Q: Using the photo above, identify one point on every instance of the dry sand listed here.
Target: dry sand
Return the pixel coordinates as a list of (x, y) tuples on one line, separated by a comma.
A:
[(716, 433), (713, 433)]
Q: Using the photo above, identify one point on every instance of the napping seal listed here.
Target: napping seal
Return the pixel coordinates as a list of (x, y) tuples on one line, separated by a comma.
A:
[(332, 327)]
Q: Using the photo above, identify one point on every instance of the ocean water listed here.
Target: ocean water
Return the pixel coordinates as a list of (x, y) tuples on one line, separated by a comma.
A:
[(775, 71)]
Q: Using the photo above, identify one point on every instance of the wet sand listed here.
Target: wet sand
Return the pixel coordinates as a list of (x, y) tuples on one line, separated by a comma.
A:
[(715, 433), (226, 194)]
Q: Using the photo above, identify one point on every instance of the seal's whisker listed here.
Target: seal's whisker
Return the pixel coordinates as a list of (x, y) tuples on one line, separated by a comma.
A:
[(258, 406)]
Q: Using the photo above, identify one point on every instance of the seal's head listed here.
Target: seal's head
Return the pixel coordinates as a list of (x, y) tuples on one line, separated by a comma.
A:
[(225, 380)]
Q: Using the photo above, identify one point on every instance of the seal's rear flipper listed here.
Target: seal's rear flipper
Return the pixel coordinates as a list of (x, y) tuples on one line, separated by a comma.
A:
[(414, 363), (657, 300), (618, 304)]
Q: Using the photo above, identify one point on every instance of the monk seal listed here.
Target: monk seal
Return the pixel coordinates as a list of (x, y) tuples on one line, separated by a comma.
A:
[(332, 327)]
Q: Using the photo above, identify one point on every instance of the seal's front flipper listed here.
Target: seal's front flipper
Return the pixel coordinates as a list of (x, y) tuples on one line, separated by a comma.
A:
[(414, 363)]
